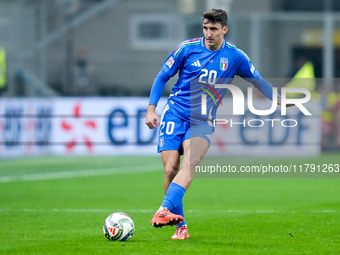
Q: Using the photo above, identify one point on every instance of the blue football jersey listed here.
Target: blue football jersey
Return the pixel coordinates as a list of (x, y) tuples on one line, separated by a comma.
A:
[(199, 69)]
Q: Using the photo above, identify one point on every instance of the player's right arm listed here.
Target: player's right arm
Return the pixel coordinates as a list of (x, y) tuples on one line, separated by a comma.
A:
[(152, 119), (170, 68)]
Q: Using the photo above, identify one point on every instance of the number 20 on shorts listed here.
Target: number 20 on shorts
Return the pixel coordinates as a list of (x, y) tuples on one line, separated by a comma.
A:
[(169, 128)]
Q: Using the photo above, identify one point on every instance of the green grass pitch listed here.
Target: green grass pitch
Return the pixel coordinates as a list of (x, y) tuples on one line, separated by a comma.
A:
[(58, 206)]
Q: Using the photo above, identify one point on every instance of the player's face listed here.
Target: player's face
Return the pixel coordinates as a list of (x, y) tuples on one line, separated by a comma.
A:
[(214, 34)]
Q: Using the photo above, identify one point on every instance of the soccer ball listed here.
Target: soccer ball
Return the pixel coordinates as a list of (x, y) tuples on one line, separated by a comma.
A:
[(118, 227)]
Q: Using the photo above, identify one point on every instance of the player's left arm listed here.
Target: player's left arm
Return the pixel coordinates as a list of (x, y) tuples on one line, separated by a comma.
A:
[(264, 86), (246, 70), (267, 89)]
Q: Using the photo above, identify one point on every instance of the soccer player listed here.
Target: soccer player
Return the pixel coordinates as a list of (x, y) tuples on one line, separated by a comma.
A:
[(208, 60)]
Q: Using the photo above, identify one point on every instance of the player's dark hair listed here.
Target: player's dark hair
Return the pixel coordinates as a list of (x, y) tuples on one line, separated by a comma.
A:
[(216, 16)]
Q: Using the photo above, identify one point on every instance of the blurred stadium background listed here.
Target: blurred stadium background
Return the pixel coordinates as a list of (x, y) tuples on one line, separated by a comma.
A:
[(62, 53), (75, 76)]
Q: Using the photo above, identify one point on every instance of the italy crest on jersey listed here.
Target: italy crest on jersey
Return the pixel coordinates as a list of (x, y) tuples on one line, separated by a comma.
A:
[(223, 64)]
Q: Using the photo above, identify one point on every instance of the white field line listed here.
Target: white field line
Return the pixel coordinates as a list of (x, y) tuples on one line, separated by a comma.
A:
[(71, 210), (80, 173)]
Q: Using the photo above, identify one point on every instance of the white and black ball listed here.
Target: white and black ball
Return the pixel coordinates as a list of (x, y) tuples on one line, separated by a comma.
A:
[(118, 227)]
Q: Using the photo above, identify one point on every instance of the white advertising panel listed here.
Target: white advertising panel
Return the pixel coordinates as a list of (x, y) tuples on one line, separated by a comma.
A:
[(115, 126)]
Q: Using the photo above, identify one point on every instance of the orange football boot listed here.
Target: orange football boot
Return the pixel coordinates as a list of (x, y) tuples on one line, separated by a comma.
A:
[(165, 218)]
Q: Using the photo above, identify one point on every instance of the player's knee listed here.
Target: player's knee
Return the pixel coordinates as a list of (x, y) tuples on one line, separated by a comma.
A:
[(170, 170)]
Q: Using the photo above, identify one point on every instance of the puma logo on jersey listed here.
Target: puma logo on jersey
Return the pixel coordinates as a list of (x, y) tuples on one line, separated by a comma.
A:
[(196, 63)]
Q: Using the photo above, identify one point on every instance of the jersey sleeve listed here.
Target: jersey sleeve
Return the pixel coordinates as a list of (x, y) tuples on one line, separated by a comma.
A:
[(175, 61), (158, 87), (245, 67), (246, 70), (170, 67)]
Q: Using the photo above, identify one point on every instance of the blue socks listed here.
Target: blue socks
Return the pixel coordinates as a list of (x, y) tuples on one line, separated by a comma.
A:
[(174, 200), (179, 211), (173, 196)]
